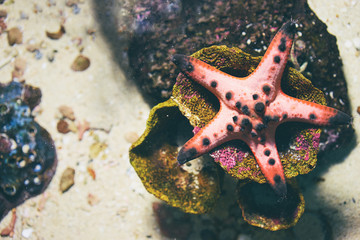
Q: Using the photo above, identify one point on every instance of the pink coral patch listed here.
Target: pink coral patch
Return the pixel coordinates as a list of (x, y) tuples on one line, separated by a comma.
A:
[(316, 140), (196, 130), (228, 157)]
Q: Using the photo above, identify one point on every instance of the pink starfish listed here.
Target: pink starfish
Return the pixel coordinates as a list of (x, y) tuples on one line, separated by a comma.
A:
[(251, 108)]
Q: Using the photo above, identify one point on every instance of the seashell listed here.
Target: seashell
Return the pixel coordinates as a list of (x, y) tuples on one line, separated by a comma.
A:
[(56, 35), (80, 63)]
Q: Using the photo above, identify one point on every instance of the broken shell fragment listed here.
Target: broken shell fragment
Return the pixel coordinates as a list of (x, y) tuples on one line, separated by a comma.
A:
[(67, 179), (67, 112), (80, 63), (14, 36), (56, 35), (91, 172)]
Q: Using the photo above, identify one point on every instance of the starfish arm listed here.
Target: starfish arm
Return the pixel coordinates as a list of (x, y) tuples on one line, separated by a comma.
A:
[(269, 162), (231, 90), (216, 81), (268, 74), (220, 129), (303, 111)]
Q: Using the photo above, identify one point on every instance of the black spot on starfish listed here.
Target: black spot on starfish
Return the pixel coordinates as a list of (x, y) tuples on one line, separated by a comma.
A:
[(277, 59), (206, 141)]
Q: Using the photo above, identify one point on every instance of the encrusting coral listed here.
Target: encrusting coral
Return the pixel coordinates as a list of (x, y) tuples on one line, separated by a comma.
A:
[(153, 157)]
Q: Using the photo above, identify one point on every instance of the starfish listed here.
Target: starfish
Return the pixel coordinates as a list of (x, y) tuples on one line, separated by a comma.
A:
[(251, 108)]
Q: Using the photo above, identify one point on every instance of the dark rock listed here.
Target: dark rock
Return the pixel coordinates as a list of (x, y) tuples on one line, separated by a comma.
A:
[(27, 155)]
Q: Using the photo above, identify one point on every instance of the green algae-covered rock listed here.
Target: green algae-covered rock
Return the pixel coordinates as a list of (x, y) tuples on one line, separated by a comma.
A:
[(297, 143), (194, 189)]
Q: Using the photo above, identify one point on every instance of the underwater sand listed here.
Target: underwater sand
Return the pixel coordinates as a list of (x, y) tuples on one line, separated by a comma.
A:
[(101, 95)]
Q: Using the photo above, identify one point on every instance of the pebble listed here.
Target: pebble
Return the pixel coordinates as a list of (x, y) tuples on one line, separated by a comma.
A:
[(14, 36), (67, 179), (62, 126), (56, 35), (38, 54), (67, 112), (27, 232), (80, 63)]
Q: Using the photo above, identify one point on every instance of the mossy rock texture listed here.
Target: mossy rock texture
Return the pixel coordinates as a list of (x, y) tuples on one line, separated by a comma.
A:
[(153, 157)]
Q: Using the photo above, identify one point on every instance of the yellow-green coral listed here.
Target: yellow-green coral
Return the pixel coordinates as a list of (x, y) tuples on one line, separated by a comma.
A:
[(153, 157)]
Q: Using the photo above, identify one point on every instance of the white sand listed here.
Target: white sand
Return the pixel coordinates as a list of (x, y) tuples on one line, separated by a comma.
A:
[(106, 99), (342, 179), (103, 97)]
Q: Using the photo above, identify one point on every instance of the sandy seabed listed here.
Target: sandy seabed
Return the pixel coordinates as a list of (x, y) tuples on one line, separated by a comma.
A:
[(102, 95)]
